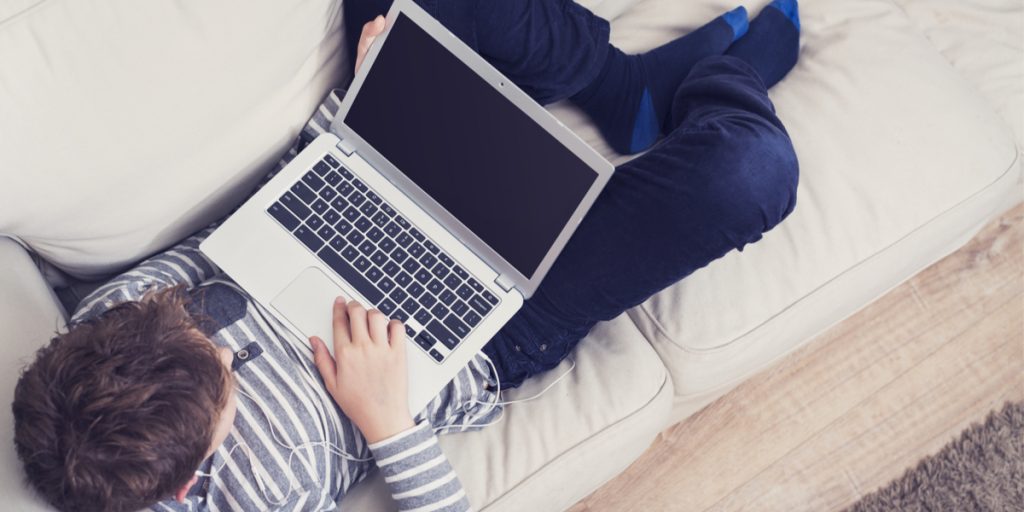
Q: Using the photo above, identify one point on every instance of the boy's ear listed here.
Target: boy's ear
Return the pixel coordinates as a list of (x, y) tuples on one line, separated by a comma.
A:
[(180, 496)]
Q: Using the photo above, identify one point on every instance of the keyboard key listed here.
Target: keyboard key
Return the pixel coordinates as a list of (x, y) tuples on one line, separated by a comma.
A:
[(380, 219), (490, 298), (431, 247), (314, 181), (350, 213), (379, 258), (343, 226), (331, 161), (359, 185), (423, 316), (374, 198), (386, 306), (357, 199), (333, 178), (306, 235), (399, 255), (439, 311), (411, 267), (475, 285), (403, 279), (303, 192), (326, 232), (465, 291), (447, 260), (435, 286), (386, 285), (388, 209), (374, 274), (423, 275), (295, 205), (456, 326), (339, 203), (404, 240), (386, 244), (472, 318), (440, 271), (355, 238), (349, 274), (425, 340), (402, 222), (346, 173), (436, 355), (452, 281), (374, 234), (416, 250), (368, 209), (459, 272), (367, 247), (479, 304), (398, 295), (410, 306), (350, 253), (321, 168), (345, 188), (338, 243), (332, 217), (314, 222), (409, 331), (391, 268), (416, 234), (392, 229), (328, 193), (400, 314), (362, 224), (285, 217), (428, 260), (447, 297), (427, 300), (361, 263), (415, 290), (460, 308), (442, 334)]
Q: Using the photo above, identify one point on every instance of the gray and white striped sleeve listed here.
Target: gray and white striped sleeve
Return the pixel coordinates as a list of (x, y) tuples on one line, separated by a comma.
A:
[(182, 264), (418, 473)]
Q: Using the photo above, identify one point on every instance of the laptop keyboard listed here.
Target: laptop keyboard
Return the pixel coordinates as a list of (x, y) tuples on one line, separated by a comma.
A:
[(397, 268)]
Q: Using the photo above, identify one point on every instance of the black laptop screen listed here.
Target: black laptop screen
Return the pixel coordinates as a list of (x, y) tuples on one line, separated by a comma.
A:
[(479, 156)]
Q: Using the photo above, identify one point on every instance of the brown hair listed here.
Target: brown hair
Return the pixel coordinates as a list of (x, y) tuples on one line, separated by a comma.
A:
[(118, 413)]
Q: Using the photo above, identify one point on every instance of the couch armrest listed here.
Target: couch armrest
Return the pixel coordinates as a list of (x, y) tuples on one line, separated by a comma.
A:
[(29, 316)]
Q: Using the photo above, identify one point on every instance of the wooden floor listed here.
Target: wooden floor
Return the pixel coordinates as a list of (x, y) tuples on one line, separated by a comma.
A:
[(859, 405)]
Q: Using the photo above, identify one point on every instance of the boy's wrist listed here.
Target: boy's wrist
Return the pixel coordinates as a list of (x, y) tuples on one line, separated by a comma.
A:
[(382, 427)]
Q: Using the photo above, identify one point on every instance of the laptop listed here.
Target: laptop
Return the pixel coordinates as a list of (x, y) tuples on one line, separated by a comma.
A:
[(441, 195)]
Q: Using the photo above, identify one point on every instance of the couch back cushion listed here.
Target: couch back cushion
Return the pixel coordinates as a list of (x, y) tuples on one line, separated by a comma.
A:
[(127, 125)]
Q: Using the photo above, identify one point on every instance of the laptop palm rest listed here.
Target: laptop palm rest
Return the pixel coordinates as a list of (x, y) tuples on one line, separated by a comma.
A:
[(308, 302)]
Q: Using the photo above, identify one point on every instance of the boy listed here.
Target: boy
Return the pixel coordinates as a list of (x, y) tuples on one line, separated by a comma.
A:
[(173, 390)]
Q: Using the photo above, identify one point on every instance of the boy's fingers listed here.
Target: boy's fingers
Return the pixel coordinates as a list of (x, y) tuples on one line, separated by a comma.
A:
[(396, 334), (341, 329), (378, 326), (324, 362), (357, 323)]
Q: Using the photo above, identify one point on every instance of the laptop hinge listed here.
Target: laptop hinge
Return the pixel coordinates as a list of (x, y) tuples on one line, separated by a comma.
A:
[(504, 282), (346, 147)]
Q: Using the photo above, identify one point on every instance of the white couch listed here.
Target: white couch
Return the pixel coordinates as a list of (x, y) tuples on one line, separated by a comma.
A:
[(126, 125)]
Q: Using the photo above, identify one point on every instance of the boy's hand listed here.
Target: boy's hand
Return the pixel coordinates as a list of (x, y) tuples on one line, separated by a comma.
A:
[(371, 30), (369, 379)]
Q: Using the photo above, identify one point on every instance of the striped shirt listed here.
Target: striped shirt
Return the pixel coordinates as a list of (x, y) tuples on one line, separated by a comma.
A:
[(291, 447)]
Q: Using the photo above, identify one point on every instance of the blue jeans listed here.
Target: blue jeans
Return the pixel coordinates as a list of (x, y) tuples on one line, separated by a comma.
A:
[(726, 174)]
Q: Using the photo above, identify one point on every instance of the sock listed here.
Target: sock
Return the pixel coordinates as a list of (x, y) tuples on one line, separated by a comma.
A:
[(629, 100), (772, 41)]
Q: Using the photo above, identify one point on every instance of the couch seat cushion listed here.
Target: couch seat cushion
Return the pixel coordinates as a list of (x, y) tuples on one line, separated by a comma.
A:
[(549, 453)]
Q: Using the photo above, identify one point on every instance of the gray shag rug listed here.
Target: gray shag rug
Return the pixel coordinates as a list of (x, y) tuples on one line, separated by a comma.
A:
[(982, 470)]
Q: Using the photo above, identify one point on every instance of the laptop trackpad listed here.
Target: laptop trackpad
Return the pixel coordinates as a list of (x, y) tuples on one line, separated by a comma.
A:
[(308, 303)]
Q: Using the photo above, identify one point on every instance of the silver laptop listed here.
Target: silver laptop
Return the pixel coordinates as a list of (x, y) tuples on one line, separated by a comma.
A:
[(441, 195)]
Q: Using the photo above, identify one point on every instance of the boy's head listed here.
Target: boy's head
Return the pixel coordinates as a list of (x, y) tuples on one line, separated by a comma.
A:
[(119, 412)]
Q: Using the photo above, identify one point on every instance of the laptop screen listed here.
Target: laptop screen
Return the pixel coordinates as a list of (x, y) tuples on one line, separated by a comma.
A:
[(472, 150)]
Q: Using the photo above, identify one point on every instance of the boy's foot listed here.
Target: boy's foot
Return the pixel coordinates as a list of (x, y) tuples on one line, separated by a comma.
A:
[(772, 42), (629, 100)]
